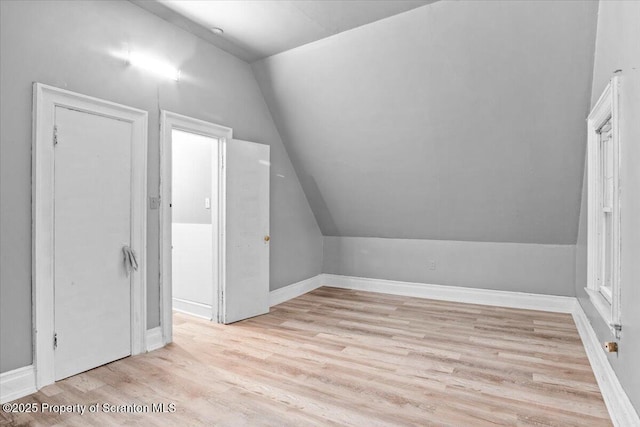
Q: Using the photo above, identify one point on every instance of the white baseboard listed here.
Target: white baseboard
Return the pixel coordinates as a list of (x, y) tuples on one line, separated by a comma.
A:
[(153, 339), (193, 308), (554, 303), (618, 404), (17, 383), (295, 290)]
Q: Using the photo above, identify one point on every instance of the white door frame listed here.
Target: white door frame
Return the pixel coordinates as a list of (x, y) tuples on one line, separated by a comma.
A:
[(168, 122), (45, 100)]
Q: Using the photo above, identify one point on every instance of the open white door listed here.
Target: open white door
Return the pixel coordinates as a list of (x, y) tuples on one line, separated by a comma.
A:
[(245, 176)]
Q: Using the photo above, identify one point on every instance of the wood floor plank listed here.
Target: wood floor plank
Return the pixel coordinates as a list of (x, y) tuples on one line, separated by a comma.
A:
[(336, 357)]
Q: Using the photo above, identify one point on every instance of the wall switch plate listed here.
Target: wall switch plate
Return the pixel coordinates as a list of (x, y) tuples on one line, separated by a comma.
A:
[(154, 202), (432, 265), (207, 203)]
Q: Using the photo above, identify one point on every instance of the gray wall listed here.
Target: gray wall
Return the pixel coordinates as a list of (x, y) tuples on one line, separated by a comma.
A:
[(71, 44), (618, 48), (459, 120), (191, 177), (519, 267)]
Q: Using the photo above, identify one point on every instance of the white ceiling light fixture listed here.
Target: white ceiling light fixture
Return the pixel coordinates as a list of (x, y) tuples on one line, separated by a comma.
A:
[(153, 65), (217, 31)]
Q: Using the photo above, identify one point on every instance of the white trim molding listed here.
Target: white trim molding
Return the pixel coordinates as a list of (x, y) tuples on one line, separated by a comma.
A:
[(17, 383), (45, 100), (193, 308), (603, 307), (294, 290), (553, 303), (168, 122), (618, 404), (604, 110), (154, 339)]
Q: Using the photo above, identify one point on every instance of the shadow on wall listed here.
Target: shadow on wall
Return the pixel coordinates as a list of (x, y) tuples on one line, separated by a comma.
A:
[(319, 206)]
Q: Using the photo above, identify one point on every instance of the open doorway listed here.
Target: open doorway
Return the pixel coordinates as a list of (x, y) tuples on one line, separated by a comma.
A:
[(214, 216), (195, 146), (194, 223)]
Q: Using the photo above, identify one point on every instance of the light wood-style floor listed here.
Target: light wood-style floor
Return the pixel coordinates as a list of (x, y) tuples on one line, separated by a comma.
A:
[(339, 357)]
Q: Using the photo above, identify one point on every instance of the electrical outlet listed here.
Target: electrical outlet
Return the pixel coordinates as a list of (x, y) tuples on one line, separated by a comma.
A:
[(432, 265)]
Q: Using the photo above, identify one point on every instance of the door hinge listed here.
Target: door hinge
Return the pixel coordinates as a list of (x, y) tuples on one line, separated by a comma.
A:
[(55, 135), (55, 341)]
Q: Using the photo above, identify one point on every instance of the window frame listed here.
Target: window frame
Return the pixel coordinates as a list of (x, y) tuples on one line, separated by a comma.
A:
[(607, 108)]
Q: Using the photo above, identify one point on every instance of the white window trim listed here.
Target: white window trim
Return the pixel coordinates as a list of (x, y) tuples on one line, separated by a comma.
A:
[(606, 108)]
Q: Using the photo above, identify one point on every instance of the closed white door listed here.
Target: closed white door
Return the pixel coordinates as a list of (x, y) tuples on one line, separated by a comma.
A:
[(246, 287), (92, 217)]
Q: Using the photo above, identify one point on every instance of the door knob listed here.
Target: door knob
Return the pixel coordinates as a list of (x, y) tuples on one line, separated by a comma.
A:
[(267, 238)]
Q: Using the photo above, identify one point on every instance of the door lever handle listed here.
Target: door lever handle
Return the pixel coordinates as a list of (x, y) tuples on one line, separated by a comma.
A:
[(130, 260)]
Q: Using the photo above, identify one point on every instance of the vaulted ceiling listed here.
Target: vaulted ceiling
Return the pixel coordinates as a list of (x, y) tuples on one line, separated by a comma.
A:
[(255, 29), (454, 121)]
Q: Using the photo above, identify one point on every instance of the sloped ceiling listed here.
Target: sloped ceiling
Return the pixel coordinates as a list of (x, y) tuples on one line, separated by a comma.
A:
[(255, 29), (454, 121)]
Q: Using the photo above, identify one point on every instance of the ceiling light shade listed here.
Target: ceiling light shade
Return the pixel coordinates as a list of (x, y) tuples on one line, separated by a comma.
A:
[(217, 30), (153, 65)]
